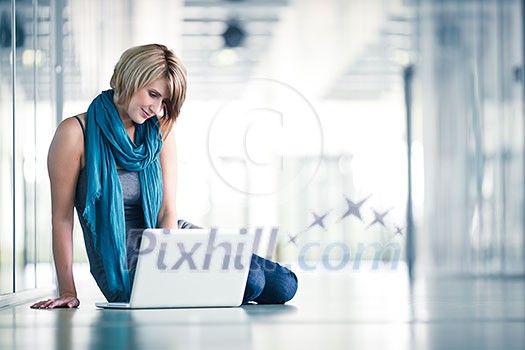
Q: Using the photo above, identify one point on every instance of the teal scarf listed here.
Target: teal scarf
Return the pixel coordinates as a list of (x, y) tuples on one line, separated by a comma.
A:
[(108, 144)]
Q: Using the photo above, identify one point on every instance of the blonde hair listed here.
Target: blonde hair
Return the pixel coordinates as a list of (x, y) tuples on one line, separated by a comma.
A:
[(139, 66)]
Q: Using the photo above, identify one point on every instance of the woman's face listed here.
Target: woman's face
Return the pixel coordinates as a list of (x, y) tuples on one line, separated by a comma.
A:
[(147, 102)]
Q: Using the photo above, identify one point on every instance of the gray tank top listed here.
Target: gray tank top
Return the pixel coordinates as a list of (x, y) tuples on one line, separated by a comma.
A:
[(130, 183), (133, 214)]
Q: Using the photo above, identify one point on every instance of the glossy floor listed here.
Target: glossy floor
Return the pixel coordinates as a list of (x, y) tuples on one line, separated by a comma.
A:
[(332, 310)]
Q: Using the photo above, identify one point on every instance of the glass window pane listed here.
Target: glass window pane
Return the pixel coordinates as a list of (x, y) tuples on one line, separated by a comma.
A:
[(25, 147), (6, 154)]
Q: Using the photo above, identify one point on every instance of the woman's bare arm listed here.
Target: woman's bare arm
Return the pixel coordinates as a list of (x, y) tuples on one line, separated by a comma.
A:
[(64, 163), (168, 161)]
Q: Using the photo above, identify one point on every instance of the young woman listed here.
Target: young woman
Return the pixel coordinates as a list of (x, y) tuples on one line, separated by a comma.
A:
[(116, 164)]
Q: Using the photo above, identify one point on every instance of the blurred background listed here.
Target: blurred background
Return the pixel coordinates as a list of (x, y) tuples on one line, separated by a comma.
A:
[(391, 128)]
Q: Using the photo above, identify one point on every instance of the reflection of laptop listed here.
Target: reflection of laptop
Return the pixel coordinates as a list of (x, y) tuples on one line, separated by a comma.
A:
[(190, 268)]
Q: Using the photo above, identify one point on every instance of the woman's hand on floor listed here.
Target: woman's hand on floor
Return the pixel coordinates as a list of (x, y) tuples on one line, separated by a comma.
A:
[(62, 302)]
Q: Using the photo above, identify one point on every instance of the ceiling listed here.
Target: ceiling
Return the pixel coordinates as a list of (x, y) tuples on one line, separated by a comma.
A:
[(215, 70), (283, 39), (369, 71)]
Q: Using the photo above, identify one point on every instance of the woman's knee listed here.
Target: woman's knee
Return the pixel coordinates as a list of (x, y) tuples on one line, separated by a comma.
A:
[(292, 287), (279, 289), (288, 288)]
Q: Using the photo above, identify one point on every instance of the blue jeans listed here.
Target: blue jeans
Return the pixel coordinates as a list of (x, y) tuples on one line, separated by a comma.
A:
[(268, 282)]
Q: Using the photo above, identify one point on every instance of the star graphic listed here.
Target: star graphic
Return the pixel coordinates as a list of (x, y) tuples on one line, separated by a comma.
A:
[(379, 217), (292, 239), (318, 220), (354, 208), (399, 230)]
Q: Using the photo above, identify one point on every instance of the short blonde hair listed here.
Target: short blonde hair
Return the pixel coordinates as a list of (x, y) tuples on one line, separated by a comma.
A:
[(139, 66)]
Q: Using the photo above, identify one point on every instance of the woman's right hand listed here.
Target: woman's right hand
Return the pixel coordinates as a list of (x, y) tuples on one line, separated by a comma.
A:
[(62, 302)]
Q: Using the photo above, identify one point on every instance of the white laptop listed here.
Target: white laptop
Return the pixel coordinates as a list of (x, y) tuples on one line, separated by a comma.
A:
[(180, 268)]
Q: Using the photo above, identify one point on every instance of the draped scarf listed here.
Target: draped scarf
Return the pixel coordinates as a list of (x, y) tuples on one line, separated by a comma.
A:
[(108, 144)]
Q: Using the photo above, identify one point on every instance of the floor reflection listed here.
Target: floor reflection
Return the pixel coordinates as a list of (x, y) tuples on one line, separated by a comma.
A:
[(63, 330), (113, 329), (171, 328), (254, 311)]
